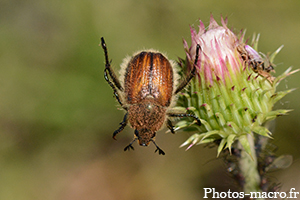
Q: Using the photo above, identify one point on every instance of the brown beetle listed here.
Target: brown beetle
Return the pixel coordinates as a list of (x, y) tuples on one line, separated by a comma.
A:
[(146, 91)]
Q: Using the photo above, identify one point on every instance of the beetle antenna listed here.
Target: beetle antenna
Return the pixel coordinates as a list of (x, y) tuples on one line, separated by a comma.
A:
[(128, 147), (160, 151)]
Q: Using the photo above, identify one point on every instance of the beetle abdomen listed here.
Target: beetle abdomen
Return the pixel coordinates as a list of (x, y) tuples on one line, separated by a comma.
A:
[(149, 74)]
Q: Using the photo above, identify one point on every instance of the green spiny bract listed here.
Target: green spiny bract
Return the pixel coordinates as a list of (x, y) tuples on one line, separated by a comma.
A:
[(227, 94)]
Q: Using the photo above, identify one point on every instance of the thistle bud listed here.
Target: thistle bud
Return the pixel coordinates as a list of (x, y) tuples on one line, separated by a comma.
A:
[(233, 92)]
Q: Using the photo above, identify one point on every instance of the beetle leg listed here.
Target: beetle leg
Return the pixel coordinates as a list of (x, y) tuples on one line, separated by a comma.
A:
[(117, 96), (185, 115), (191, 74), (160, 151), (170, 126), (108, 67), (114, 84), (123, 124), (128, 147)]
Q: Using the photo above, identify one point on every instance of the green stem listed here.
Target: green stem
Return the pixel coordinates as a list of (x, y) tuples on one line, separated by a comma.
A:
[(248, 167)]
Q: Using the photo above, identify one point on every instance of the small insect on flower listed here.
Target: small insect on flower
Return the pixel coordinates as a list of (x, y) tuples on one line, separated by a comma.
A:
[(146, 91), (259, 65)]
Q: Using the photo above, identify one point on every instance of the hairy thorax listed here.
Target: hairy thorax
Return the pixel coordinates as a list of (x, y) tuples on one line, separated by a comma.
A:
[(147, 114)]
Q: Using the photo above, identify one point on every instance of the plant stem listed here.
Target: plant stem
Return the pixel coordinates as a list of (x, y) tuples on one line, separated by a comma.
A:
[(248, 167)]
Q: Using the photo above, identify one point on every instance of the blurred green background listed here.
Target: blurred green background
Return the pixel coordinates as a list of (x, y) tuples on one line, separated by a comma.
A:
[(58, 113)]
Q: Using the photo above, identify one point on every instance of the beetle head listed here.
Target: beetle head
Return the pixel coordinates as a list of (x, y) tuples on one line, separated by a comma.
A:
[(144, 136)]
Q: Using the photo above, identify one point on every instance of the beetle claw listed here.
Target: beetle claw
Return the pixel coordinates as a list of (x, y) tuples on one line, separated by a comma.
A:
[(160, 152), (115, 135), (170, 126), (199, 122), (128, 147)]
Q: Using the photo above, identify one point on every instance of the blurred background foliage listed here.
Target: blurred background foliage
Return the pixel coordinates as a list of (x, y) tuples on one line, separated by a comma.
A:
[(58, 113)]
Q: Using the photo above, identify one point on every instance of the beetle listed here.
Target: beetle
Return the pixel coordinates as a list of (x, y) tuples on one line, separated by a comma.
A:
[(146, 91)]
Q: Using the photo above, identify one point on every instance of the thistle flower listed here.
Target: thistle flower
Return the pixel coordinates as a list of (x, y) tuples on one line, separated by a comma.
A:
[(233, 92)]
